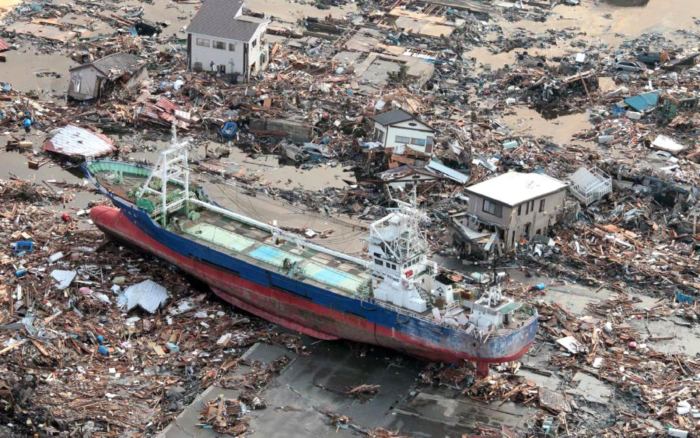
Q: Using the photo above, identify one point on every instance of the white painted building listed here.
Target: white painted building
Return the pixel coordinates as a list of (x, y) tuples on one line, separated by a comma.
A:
[(221, 39), (402, 132)]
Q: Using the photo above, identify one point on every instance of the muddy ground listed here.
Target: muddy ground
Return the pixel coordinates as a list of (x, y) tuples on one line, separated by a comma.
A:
[(604, 24)]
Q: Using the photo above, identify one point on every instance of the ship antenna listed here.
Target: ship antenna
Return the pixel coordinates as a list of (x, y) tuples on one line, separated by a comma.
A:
[(414, 195), (173, 132)]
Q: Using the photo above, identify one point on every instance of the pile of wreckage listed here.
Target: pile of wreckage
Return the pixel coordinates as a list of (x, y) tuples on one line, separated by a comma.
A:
[(97, 339)]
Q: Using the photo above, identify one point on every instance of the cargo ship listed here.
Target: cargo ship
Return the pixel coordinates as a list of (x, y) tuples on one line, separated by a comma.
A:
[(396, 297)]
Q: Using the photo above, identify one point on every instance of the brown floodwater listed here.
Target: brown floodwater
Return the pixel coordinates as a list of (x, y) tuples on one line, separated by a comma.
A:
[(609, 22), (28, 70), (528, 122)]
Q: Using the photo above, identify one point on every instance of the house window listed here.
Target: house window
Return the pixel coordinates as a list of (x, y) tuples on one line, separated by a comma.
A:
[(532, 205), (541, 205), (203, 42), (418, 141), (492, 208), (378, 262), (520, 209), (527, 207), (220, 45), (231, 47), (400, 139), (255, 43)]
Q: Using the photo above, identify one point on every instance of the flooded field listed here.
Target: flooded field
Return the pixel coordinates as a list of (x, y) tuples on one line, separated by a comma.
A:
[(6, 5), (616, 20), (526, 121), (31, 71)]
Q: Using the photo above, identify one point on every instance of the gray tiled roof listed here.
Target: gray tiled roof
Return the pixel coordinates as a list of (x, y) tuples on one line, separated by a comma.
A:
[(393, 116), (217, 18), (116, 64)]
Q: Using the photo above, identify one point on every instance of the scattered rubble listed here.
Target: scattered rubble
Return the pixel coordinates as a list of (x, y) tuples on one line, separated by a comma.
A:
[(398, 101)]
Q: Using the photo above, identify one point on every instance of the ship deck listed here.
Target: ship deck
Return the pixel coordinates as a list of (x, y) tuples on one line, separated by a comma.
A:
[(247, 242), (258, 247)]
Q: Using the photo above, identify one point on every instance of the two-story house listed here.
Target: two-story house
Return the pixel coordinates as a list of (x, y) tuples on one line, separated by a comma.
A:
[(221, 39), (516, 205), (403, 134)]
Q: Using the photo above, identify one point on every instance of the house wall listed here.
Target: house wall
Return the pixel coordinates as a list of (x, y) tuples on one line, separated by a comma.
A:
[(399, 148), (514, 225), (83, 84), (234, 61), (476, 204), (413, 124), (255, 61), (380, 134)]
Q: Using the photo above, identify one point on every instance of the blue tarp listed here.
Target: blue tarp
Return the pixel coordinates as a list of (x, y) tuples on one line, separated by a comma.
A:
[(643, 102), (228, 131), (683, 298)]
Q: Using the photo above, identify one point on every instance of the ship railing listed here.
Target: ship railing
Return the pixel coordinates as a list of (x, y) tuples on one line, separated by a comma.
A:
[(279, 232), (406, 312), (483, 336)]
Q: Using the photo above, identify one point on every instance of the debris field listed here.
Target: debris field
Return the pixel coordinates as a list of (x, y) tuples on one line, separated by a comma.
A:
[(345, 108)]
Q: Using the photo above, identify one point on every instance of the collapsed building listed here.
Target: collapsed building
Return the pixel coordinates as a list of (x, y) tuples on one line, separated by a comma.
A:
[(98, 78), (404, 137)]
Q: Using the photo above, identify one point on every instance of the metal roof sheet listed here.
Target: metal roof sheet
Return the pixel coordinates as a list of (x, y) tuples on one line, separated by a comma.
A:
[(448, 172), (74, 141), (643, 102), (512, 188)]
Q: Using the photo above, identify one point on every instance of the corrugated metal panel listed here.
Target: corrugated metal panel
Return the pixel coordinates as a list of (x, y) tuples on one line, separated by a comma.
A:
[(3, 45), (643, 102), (74, 141), (167, 105), (448, 172)]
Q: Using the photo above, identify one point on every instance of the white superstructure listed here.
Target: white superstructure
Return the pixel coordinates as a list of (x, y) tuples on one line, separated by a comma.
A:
[(402, 274)]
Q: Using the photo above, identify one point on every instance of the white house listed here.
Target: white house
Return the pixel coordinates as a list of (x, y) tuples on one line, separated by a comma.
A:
[(220, 38), (403, 133)]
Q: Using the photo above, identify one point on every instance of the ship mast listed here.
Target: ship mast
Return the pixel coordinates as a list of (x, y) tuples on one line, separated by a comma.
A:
[(169, 180), (399, 252)]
